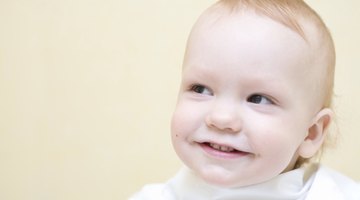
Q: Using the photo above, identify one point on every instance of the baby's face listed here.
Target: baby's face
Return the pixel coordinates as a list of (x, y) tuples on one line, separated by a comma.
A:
[(244, 106)]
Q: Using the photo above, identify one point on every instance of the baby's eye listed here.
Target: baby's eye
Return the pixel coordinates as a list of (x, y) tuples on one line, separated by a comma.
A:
[(200, 89), (259, 99)]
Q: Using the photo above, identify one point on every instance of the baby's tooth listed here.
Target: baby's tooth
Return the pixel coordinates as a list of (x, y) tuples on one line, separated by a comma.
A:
[(215, 146), (221, 148), (224, 148)]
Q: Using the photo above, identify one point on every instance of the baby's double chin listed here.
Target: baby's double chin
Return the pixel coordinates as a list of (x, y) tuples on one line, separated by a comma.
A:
[(224, 179)]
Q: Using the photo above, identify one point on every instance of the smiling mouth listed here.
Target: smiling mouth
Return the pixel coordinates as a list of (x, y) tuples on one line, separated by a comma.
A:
[(222, 152), (221, 148)]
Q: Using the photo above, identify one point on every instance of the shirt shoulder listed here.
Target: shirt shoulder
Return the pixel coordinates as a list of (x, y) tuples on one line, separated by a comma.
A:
[(153, 191), (349, 187), (332, 185)]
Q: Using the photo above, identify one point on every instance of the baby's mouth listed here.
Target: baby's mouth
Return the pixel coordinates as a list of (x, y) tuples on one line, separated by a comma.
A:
[(222, 151), (221, 148)]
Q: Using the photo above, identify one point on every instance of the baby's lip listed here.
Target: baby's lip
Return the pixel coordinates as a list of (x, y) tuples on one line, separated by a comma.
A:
[(221, 147), (224, 147), (223, 152)]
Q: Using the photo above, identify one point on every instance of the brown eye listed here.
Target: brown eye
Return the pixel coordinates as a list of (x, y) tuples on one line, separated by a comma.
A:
[(201, 89), (259, 99)]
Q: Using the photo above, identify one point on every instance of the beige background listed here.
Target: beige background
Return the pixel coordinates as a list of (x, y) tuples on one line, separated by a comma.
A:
[(87, 89)]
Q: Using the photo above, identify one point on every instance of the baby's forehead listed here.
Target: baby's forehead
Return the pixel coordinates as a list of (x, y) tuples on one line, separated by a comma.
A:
[(251, 28), (247, 38), (305, 26), (305, 23)]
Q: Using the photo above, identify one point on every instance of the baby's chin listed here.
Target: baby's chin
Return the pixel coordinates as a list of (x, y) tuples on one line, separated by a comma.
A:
[(220, 178), (229, 182)]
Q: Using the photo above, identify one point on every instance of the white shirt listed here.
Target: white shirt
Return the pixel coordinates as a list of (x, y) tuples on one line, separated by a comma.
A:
[(311, 183)]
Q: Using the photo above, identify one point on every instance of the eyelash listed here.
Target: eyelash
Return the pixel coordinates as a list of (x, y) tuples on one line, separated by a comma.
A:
[(255, 99), (198, 88)]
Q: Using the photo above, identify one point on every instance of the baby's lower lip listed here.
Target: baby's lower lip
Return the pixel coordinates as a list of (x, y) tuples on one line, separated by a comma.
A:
[(218, 153)]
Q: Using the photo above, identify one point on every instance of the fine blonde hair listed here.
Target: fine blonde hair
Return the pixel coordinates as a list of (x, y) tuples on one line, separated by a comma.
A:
[(293, 14)]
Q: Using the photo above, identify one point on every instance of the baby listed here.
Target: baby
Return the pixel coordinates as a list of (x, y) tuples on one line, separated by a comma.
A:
[(254, 107)]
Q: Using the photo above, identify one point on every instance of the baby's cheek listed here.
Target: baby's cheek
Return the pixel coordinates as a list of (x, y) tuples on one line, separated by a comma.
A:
[(280, 151), (274, 146), (180, 126), (176, 124), (184, 119)]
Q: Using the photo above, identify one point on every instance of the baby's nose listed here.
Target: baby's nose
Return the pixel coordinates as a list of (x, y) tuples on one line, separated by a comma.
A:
[(225, 118)]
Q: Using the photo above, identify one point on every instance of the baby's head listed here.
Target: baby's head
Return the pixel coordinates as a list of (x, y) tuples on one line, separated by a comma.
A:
[(256, 91)]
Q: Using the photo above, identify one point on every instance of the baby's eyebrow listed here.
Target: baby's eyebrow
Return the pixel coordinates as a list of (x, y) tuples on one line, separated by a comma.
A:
[(199, 71)]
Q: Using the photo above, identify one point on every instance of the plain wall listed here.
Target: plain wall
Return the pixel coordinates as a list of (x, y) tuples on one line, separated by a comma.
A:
[(87, 89)]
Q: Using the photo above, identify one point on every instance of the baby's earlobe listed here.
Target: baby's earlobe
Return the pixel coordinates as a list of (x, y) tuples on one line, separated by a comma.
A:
[(316, 133)]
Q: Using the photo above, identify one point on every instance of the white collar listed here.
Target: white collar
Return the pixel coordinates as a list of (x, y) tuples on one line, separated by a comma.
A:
[(292, 185)]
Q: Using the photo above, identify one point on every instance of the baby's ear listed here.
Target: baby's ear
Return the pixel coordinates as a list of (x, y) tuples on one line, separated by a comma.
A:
[(316, 133)]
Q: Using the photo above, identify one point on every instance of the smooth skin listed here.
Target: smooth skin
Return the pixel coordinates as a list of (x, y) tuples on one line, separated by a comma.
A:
[(245, 112)]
